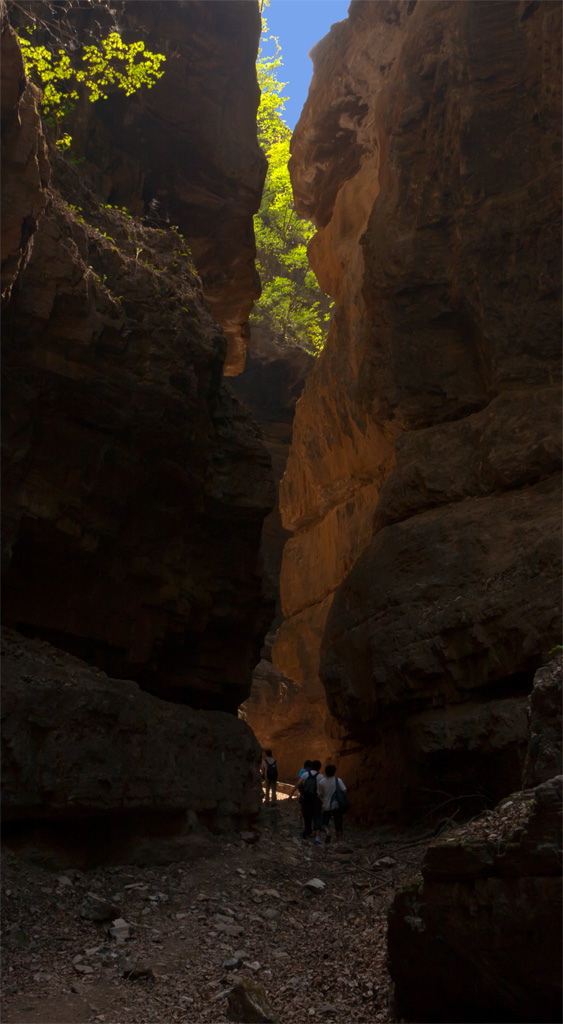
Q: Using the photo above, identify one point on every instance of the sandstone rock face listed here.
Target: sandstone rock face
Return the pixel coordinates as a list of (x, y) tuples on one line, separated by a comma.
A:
[(185, 151), (270, 386), (543, 757), (25, 171), (422, 482), (86, 753), (135, 485), (478, 937)]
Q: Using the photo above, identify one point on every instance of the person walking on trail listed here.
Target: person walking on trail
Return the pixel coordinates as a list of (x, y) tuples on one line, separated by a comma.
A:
[(334, 802), (310, 801), (269, 769)]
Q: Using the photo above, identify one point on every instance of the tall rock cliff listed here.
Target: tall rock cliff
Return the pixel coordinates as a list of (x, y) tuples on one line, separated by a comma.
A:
[(422, 584), (135, 483)]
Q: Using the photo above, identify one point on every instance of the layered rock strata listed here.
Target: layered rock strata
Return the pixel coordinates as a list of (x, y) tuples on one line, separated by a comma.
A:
[(135, 484), (422, 487), (95, 769), (478, 936)]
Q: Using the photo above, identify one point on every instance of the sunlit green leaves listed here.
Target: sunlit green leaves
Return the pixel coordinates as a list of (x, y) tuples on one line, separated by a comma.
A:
[(292, 306), (113, 64)]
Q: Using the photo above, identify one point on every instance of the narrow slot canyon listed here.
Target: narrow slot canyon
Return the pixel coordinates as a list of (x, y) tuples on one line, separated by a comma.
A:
[(281, 433)]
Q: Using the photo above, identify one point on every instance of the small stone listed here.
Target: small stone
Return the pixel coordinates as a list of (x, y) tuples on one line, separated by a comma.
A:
[(95, 908), (253, 965), (120, 930), (229, 929), (271, 914), (248, 1002), (385, 862), (280, 954), (17, 937), (64, 880), (83, 969), (232, 963), (180, 916), (250, 837), (78, 959), (134, 969), (315, 884), (41, 977)]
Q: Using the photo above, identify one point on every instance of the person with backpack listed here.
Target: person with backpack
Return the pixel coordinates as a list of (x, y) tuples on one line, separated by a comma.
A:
[(269, 769), (332, 793), (309, 800)]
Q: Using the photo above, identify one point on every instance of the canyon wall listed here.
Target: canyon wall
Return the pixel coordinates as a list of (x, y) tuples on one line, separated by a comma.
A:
[(135, 483), (421, 587)]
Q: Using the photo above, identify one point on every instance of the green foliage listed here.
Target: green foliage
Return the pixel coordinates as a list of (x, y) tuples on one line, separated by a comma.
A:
[(113, 64), (292, 307)]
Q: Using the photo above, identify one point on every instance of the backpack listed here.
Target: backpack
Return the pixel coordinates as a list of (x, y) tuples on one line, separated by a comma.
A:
[(339, 801), (308, 788), (271, 771)]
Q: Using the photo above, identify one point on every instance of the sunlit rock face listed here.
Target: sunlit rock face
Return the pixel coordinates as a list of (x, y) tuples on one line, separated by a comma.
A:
[(135, 484), (422, 487)]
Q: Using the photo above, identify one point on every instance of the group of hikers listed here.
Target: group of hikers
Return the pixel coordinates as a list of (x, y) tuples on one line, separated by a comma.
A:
[(322, 798)]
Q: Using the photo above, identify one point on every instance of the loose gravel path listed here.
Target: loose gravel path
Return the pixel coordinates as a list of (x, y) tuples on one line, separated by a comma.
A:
[(245, 911)]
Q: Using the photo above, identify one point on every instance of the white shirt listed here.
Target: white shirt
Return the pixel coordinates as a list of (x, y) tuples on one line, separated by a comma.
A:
[(326, 788), (310, 771)]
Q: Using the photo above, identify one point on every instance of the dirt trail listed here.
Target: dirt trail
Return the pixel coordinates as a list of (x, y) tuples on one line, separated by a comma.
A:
[(320, 955)]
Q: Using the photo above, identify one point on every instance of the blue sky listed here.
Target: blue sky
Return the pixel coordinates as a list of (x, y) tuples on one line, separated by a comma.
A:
[(299, 24)]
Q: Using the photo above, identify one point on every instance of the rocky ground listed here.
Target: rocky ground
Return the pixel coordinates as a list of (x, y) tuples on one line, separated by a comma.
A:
[(197, 928)]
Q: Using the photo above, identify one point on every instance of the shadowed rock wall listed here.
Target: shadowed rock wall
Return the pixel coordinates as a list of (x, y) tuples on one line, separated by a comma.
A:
[(183, 152), (423, 483), (117, 773), (135, 484), (478, 937)]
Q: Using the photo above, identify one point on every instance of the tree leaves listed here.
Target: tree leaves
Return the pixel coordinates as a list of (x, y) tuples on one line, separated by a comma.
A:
[(292, 307), (114, 63)]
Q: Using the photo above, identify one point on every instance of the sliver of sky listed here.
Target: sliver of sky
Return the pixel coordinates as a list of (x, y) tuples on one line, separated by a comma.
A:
[(299, 24)]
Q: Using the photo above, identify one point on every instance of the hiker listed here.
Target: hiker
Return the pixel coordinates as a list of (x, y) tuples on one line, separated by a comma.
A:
[(306, 765), (332, 793), (309, 800), (269, 769)]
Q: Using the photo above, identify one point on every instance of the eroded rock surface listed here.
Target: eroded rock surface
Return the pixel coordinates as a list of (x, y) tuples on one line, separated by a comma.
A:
[(478, 937), (25, 166), (422, 483), (184, 152), (105, 771), (135, 484), (543, 757)]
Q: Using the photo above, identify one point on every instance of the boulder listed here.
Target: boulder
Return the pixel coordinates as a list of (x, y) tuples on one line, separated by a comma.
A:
[(478, 937), (103, 768)]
